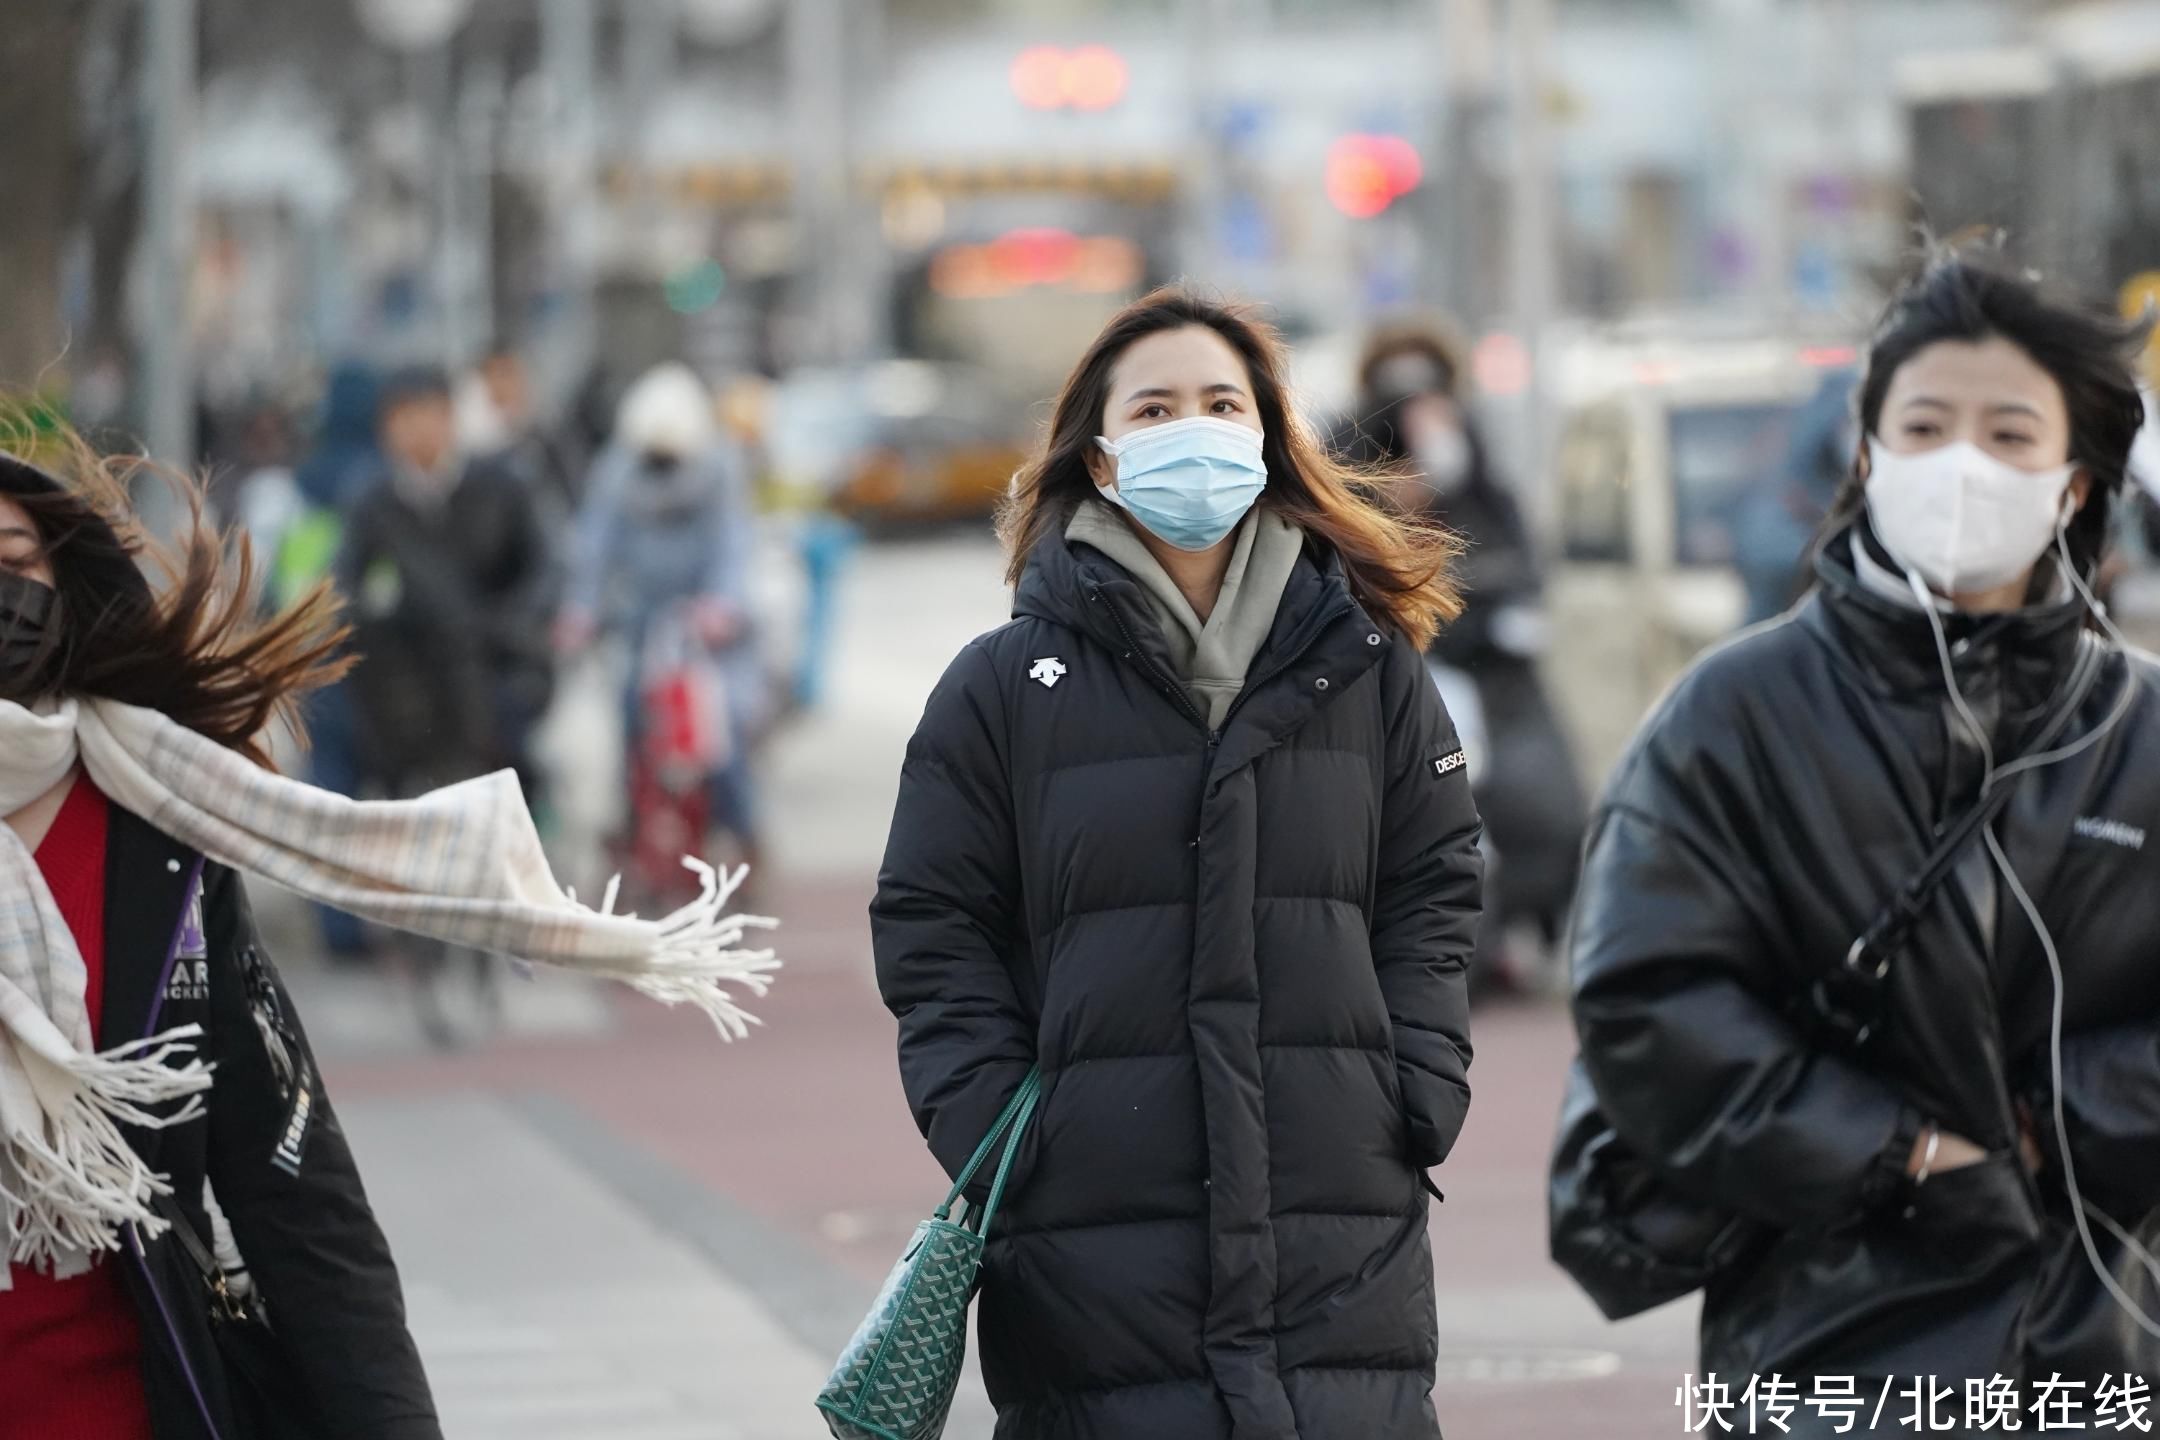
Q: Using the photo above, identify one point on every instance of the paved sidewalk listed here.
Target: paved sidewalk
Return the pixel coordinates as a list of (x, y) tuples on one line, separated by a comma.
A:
[(549, 1309), (645, 1238)]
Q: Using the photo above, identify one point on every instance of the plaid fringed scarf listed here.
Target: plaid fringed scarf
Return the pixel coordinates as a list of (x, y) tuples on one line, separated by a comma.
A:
[(462, 864)]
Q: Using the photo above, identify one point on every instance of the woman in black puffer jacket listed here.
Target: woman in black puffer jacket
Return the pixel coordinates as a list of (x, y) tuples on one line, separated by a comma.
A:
[(1916, 1188), (1192, 835)]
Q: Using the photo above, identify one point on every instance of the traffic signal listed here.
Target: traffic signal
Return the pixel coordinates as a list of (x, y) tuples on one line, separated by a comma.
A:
[(1368, 173)]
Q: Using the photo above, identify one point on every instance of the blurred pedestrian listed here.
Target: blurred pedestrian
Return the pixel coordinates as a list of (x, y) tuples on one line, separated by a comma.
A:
[(266, 500), (549, 458), (1192, 836), (1413, 420), (342, 461), (452, 598), (1862, 956), (345, 458), (667, 532), (1778, 520)]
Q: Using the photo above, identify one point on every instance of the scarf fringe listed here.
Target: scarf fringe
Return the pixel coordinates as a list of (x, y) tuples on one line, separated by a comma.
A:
[(697, 952), (76, 1184)]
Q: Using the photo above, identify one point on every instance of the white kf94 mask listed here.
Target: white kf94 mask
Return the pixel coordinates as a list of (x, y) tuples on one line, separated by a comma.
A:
[(1961, 519)]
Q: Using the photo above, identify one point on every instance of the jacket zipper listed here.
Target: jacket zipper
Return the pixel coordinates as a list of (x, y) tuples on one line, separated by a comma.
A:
[(135, 1244), (1184, 703), (1147, 663)]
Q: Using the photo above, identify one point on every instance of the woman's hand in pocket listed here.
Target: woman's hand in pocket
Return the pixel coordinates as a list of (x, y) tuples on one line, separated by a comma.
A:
[(1951, 1152)]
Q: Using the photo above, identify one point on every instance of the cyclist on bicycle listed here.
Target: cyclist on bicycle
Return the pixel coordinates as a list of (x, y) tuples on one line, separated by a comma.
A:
[(666, 530)]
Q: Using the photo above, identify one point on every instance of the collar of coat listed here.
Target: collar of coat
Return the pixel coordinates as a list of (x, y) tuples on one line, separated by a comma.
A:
[(1320, 632), (2020, 656)]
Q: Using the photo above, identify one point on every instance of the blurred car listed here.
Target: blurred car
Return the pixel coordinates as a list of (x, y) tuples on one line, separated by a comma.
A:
[(1661, 444), (903, 442), (928, 469)]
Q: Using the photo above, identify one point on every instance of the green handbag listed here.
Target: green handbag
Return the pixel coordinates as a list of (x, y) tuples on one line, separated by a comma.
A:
[(895, 1380)]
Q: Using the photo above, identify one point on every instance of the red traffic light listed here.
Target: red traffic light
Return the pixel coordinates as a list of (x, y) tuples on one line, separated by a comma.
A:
[(1368, 173)]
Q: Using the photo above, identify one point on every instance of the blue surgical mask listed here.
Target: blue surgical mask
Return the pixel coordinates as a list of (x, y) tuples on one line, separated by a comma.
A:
[(1189, 482)]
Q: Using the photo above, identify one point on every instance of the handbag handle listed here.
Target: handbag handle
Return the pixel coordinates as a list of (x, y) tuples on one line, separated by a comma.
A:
[(1014, 1119)]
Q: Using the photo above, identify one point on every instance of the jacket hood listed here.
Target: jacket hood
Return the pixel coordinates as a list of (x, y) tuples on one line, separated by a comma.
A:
[(2025, 652), (667, 412)]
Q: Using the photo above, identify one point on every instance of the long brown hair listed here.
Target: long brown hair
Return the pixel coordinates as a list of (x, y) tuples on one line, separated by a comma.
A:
[(1399, 567), (192, 646)]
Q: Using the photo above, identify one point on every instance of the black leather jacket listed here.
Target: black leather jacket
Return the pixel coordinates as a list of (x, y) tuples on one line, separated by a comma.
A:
[(1792, 780)]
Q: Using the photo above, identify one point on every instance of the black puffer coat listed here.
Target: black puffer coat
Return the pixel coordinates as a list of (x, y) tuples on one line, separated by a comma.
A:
[(1765, 815), (1239, 959), (181, 948)]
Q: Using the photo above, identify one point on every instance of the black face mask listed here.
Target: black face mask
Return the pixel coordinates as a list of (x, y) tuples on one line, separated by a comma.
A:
[(26, 609)]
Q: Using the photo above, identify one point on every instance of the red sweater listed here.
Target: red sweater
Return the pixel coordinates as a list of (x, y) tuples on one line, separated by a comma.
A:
[(70, 1350)]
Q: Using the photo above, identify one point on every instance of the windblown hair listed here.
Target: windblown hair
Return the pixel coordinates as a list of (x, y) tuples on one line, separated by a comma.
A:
[(1399, 567), (1968, 292), (191, 645)]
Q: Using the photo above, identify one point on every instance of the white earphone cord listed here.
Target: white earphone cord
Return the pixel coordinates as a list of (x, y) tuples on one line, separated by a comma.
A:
[(2079, 1210)]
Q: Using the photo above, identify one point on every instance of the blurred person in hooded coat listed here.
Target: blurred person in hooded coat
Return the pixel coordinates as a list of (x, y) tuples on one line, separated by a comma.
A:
[(667, 528), (1412, 419)]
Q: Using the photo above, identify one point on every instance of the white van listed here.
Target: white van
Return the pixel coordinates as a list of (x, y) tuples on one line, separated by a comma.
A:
[(1659, 443)]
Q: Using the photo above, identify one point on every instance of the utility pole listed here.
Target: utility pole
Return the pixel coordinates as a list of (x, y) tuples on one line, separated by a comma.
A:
[(480, 104), (568, 43), (647, 67), (1455, 260), (817, 49), (1534, 244), (1207, 26), (433, 90), (168, 231)]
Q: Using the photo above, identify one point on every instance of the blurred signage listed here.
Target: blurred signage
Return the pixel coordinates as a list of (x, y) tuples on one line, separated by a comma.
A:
[(1037, 258), (1368, 173), (1049, 77), (413, 24)]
